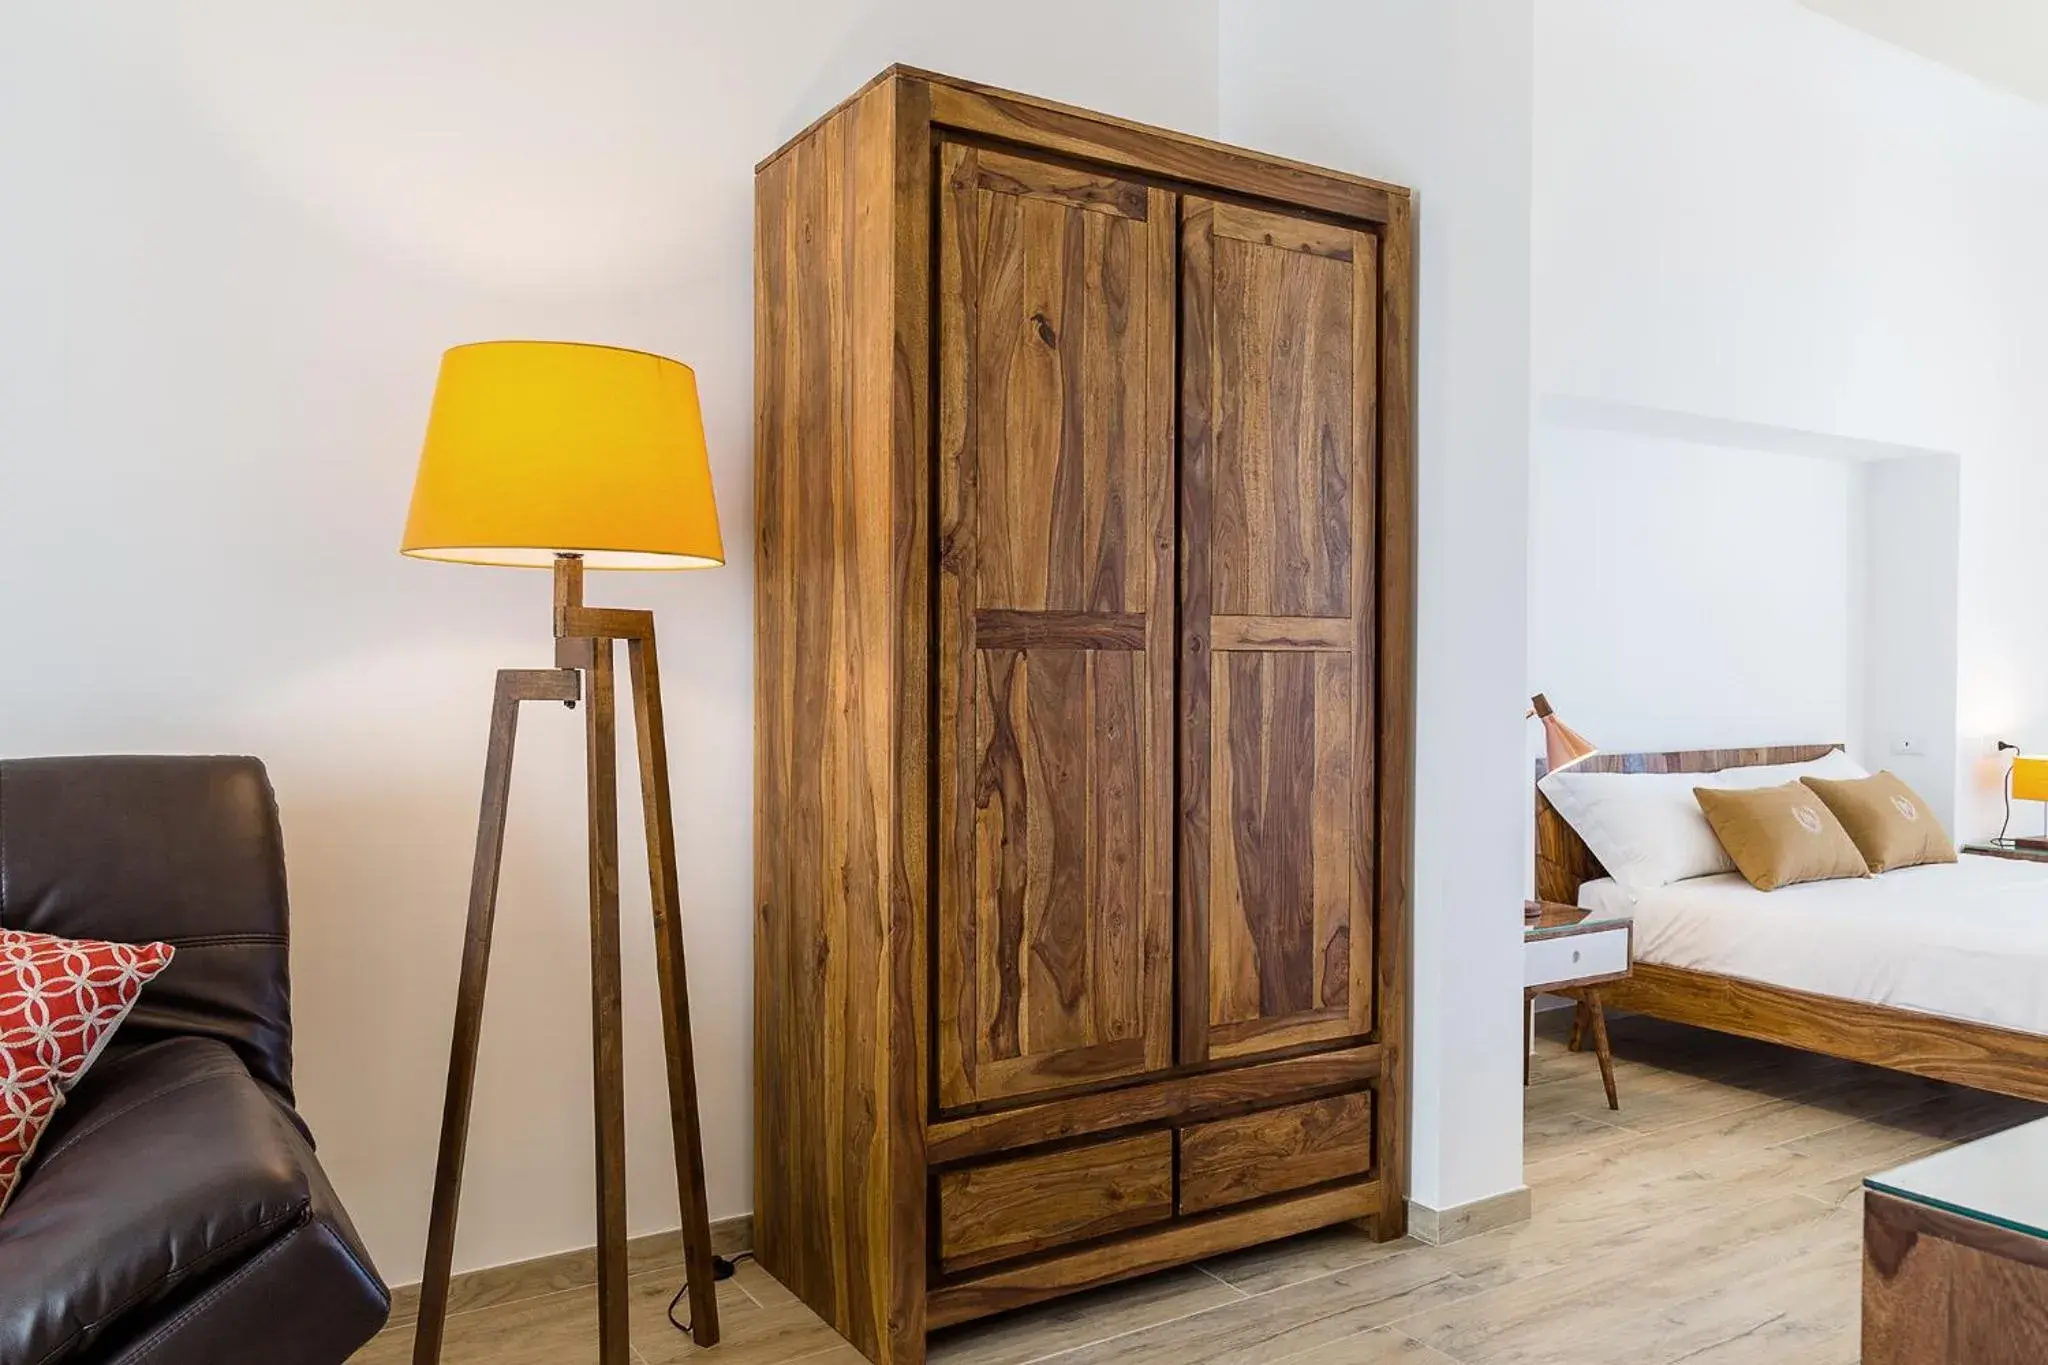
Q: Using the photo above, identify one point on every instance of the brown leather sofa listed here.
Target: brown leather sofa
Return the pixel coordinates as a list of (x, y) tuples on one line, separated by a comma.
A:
[(175, 1213)]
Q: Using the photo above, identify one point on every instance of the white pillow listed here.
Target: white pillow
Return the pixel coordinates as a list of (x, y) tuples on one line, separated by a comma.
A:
[(1647, 829), (1833, 766)]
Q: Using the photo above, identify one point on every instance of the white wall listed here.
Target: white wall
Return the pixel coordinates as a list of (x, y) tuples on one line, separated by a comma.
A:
[(1749, 213), (1686, 595), (234, 238), (1437, 97), (1907, 623)]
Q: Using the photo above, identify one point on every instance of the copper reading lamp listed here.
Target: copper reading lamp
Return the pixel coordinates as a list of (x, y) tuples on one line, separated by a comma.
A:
[(1562, 747), (552, 455)]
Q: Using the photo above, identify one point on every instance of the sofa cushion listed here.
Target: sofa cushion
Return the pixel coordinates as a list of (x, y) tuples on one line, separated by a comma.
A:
[(168, 1164), (60, 1001)]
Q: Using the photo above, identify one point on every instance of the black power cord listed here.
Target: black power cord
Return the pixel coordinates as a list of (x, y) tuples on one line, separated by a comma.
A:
[(2004, 824), (721, 1269)]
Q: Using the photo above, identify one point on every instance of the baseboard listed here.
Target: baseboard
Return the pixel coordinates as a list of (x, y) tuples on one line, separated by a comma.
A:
[(1438, 1226), (502, 1284)]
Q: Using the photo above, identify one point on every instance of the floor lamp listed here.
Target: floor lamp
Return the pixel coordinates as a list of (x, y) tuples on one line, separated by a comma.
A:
[(572, 457)]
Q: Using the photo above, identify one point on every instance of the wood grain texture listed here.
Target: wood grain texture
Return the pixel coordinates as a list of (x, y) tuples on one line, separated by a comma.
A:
[(1201, 1095), (1235, 1160), (1288, 232), (1387, 805), (1310, 633), (1073, 187), (672, 980), (1148, 151), (1277, 895), (903, 1211), (1282, 366), (608, 1066), (839, 1172), (1939, 1289), (1012, 1208), (513, 687), (1004, 1288), (1052, 630), (1999, 1060), (969, 384), (1054, 935)]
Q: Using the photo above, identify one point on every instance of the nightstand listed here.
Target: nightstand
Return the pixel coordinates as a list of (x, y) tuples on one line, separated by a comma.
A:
[(1997, 850), (1573, 952)]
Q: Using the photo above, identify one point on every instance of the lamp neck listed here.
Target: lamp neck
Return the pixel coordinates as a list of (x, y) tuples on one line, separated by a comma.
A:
[(568, 590)]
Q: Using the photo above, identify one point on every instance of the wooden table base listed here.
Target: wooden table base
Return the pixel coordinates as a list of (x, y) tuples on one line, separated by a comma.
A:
[(1942, 1289), (1589, 1011), (584, 640)]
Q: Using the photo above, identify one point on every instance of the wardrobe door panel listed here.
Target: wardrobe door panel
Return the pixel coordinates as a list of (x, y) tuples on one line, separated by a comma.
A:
[(1279, 337), (1054, 928)]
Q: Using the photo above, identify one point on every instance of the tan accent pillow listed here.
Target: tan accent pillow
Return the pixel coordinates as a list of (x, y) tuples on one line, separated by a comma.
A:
[(1780, 835), (1891, 825)]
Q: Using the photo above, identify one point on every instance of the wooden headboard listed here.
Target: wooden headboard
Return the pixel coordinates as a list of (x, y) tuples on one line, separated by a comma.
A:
[(1563, 862)]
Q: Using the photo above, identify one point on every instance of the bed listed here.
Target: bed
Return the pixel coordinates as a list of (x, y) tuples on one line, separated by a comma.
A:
[(1939, 971)]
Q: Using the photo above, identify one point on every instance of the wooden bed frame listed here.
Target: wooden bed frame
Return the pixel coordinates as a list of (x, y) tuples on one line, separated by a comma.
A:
[(1976, 1055)]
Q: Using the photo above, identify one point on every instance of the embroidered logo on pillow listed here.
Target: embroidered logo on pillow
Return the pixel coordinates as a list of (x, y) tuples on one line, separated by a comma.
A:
[(1890, 823), (60, 1001), (1808, 818)]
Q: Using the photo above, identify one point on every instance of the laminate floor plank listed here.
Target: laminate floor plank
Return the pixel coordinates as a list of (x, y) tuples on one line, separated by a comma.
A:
[(1083, 1320), (1715, 1220)]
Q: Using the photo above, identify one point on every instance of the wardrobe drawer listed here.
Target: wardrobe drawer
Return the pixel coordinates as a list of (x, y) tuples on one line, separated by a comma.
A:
[(1275, 1150), (1013, 1208)]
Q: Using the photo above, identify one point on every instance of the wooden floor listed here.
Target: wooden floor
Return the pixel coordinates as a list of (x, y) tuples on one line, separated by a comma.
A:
[(1715, 1220)]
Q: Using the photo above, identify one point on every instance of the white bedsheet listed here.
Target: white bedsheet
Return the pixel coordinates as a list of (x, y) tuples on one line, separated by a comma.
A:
[(1965, 940)]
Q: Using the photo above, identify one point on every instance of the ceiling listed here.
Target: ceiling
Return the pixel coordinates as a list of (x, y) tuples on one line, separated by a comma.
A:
[(2002, 42)]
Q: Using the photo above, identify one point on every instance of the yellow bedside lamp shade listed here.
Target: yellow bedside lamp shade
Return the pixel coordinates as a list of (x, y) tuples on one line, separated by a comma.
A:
[(2030, 778), (539, 448)]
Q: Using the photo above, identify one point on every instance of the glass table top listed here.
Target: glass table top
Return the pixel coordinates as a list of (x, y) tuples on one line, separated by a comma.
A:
[(1559, 920), (2002, 1179)]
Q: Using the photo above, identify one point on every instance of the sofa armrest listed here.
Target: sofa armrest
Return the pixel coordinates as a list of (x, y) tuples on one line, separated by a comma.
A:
[(175, 1213)]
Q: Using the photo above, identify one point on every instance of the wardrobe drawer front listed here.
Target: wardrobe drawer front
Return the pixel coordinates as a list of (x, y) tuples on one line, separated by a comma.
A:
[(1232, 1160), (1013, 1208)]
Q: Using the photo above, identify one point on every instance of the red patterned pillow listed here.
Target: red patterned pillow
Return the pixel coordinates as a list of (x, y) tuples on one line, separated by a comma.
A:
[(60, 1001)]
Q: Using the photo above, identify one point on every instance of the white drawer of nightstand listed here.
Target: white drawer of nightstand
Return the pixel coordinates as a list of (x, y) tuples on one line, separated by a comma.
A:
[(1555, 961)]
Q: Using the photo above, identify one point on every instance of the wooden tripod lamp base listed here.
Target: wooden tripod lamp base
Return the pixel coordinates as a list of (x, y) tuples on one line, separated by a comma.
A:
[(549, 444)]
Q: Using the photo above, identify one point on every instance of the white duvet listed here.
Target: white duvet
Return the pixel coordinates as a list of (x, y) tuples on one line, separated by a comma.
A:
[(1965, 940)]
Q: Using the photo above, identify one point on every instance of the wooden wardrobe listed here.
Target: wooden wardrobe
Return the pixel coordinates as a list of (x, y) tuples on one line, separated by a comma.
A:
[(1083, 701)]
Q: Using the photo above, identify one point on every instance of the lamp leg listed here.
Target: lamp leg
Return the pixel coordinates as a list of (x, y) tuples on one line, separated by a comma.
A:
[(614, 1333), (514, 686), (675, 999)]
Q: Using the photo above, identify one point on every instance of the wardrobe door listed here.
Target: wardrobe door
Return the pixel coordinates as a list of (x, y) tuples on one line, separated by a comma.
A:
[(1277, 671), (1054, 919)]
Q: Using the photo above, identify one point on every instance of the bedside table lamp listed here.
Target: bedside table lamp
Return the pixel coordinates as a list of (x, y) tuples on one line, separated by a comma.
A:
[(1562, 745), (573, 457), (2029, 782)]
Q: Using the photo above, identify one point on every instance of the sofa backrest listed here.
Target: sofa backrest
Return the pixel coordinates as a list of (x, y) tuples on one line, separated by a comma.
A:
[(183, 850)]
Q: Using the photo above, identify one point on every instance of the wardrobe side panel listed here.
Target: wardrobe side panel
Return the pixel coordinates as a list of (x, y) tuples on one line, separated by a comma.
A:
[(830, 1055)]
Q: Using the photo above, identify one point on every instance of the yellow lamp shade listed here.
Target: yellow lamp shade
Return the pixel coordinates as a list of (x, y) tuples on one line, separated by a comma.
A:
[(540, 448), (2030, 779)]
